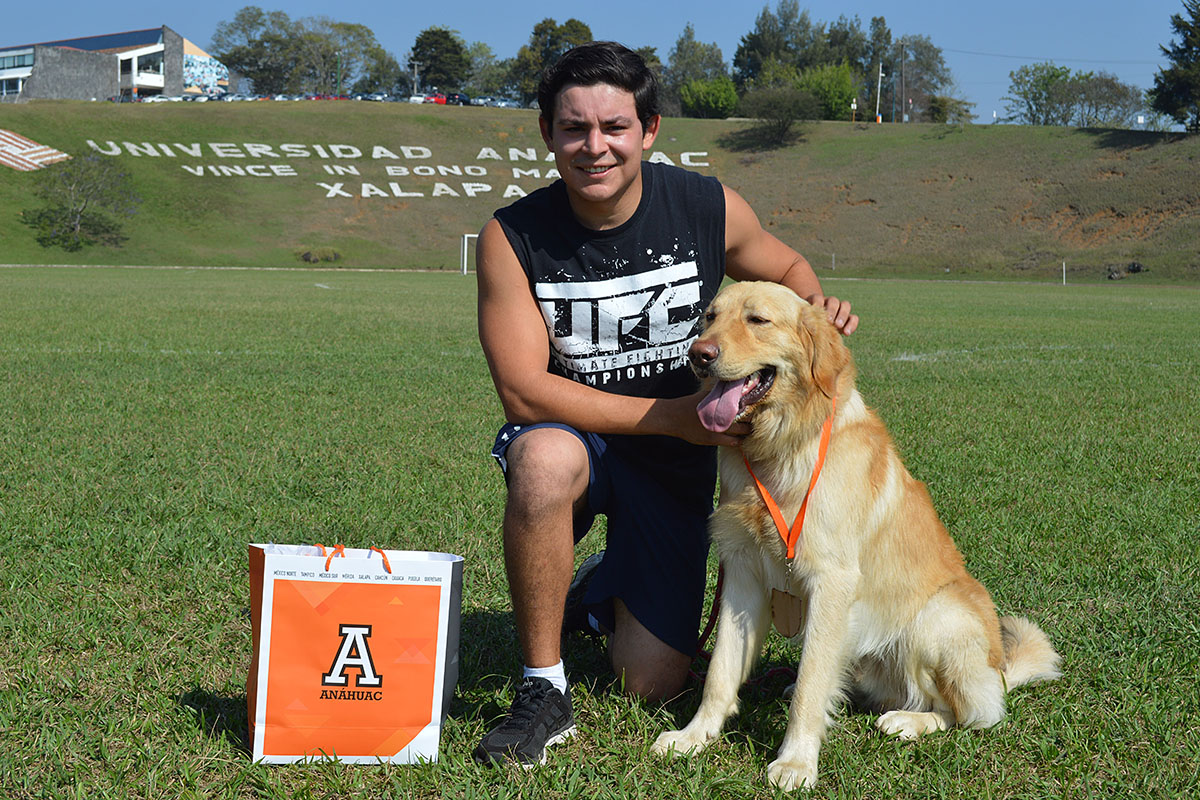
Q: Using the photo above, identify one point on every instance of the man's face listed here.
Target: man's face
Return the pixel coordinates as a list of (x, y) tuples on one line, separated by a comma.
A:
[(598, 143)]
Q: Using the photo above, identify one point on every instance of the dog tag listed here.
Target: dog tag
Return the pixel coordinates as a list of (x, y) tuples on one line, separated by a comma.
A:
[(787, 612)]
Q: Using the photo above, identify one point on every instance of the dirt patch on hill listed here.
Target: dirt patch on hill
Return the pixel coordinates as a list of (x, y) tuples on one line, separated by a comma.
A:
[(1081, 229)]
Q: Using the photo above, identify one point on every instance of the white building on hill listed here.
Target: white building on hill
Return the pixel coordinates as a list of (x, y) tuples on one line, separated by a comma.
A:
[(133, 64)]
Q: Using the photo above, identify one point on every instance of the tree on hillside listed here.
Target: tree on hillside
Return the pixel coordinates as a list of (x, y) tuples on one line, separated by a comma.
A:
[(833, 87), (248, 25), (691, 61), (332, 55), (915, 68), (84, 197), (786, 36), (1046, 94), (777, 109), (846, 43), (382, 73), (489, 76), (1176, 91), (258, 45), (713, 98), (947, 109), (1039, 95), (443, 59), (922, 71), (879, 56), (548, 41), (1102, 100), (311, 54)]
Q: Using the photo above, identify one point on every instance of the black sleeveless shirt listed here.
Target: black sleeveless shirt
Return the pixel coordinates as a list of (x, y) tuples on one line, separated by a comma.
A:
[(622, 306)]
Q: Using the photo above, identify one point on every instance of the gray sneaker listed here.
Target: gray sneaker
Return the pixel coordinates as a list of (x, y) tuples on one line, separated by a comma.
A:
[(539, 718)]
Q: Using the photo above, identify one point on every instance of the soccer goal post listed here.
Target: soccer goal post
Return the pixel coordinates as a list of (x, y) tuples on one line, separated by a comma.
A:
[(464, 250)]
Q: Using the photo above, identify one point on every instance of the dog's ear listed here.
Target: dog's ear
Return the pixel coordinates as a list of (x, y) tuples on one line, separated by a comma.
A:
[(828, 353)]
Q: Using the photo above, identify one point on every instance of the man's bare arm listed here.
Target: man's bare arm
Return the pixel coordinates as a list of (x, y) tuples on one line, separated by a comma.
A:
[(515, 342), (751, 253)]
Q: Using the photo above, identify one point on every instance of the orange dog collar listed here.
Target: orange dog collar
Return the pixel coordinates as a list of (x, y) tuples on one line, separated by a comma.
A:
[(791, 535)]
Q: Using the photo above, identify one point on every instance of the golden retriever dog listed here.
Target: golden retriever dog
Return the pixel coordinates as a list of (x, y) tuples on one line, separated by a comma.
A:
[(877, 589)]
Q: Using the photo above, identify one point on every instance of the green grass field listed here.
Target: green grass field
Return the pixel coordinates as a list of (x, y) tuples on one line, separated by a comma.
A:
[(153, 422)]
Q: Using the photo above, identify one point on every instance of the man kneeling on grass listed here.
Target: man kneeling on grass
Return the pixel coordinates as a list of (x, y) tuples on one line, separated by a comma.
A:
[(591, 290)]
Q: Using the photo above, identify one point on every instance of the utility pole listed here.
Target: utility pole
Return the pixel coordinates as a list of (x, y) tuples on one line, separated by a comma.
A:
[(903, 88), (415, 66), (878, 92)]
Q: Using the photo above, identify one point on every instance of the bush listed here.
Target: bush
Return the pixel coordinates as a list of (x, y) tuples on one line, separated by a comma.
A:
[(57, 226), (946, 109), (708, 99), (318, 255), (777, 109), (833, 87)]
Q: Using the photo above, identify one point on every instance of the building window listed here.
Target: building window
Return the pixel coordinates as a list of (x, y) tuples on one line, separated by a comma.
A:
[(126, 66), (22, 60), (10, 86), (152, 63)]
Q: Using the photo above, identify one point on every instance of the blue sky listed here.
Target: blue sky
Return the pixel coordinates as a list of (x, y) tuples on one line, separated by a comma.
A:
[(982, 42)]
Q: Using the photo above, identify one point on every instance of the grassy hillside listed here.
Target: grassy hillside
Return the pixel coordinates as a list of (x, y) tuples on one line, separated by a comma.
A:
[(915, 200)]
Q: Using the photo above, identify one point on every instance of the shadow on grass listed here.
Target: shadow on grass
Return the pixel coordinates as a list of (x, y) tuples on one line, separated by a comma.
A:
[(1117, 139), (759, 139), (490, 664), (220, 716)]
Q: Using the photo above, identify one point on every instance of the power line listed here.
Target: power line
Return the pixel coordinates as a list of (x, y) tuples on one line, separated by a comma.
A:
[(1035, 58)]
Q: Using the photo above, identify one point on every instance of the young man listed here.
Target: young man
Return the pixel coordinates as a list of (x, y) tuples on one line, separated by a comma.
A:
[(590, 293)]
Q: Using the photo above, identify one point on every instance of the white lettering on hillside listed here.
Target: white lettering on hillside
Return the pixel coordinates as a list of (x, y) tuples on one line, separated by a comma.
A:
[(423, 176)]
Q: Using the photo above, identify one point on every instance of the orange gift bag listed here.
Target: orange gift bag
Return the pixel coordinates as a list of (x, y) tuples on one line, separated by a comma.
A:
[(355, 652)]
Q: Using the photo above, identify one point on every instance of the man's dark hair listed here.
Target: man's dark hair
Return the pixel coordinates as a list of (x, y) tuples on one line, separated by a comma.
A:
[(600, 62)]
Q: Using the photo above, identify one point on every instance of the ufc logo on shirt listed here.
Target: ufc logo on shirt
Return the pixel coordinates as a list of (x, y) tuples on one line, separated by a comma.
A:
[(633, 319)]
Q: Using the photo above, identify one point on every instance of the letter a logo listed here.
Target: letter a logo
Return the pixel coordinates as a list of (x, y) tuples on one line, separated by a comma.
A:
[(353, 652)]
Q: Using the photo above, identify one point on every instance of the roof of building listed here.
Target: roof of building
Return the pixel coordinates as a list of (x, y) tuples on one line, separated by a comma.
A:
[(108, 42)]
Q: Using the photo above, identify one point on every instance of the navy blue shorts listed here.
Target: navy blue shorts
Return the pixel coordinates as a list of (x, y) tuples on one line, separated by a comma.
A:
[(657, 495)]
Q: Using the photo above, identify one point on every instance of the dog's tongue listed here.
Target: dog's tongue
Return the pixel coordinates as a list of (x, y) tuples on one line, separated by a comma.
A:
[(720, 408)]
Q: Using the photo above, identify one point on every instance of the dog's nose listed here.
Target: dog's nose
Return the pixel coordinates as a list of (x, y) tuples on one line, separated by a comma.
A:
[(703, 354)]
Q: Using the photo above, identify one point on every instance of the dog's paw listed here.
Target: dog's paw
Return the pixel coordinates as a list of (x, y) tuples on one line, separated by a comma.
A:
[(910, 724), (789, 775), (677, 744)]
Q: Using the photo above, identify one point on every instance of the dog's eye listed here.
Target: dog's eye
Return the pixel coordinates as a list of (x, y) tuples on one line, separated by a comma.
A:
[(710, 316), (754, 319)]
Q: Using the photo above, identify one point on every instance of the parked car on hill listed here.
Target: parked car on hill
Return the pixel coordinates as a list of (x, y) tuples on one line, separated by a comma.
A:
[(457, 99), (436, 97)]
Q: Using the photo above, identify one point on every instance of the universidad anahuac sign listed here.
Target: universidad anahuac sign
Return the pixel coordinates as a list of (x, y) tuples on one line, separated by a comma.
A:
[(379, 170)]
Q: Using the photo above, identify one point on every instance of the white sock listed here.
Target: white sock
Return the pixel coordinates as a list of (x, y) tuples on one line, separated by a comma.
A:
[(556, 674)]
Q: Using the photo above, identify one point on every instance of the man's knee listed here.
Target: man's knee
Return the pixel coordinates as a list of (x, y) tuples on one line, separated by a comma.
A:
[(547, 466), (656, 682), (648, 667)]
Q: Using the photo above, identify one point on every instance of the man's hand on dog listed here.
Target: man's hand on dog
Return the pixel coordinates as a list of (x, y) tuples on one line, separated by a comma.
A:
[(690, 429), (838, 312)]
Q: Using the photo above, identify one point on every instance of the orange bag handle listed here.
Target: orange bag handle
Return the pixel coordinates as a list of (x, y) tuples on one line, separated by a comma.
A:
[(383, 555), (340, 550)]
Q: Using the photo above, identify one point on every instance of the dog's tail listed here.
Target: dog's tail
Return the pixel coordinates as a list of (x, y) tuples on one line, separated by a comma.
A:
[(1028, 655)]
